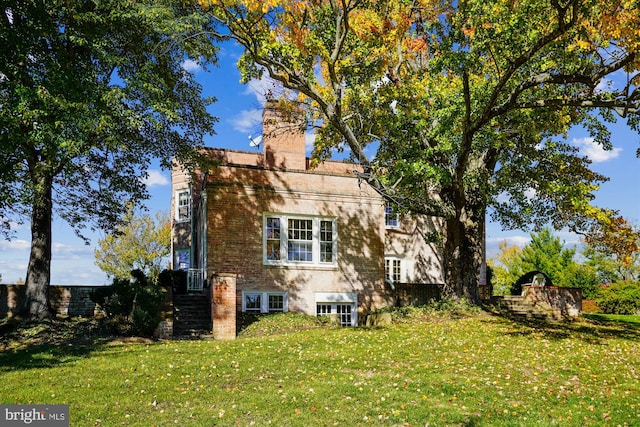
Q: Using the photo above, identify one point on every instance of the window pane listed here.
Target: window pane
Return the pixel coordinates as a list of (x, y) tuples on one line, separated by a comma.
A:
[(326, 241), (273, 228), (344, 311), (252, 302), (323, 309), (273, 250), (300, 251), (393, 270), (326, 252), (390, 217), (273, 239), (396, 270), (184, 206), (300, 240), (300, 229), (276, 302)]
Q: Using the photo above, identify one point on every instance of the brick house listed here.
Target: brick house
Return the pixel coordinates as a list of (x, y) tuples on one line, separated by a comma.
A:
[(278, 235)]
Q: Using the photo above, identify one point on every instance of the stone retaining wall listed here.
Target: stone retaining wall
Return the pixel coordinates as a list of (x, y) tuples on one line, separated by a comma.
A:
[(65, 300), (562, 302)]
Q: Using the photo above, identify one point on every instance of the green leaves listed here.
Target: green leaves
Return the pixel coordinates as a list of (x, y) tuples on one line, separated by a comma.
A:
[(464, 102), (90, 93), (140, 242), (86, 79)]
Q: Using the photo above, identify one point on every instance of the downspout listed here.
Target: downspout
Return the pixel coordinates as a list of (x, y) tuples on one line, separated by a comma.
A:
[(192, 227), (204, 237)]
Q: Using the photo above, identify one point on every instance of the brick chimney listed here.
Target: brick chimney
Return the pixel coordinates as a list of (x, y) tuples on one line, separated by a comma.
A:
[(283, 136)]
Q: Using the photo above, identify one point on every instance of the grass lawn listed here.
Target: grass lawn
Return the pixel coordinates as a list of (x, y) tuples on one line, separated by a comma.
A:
[(478, 370), (616, 318)]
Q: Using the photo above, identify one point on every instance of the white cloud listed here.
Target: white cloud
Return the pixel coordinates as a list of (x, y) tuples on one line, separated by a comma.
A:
[(14, 245), (504, 197), (260, 88), (191, 66), (530, 193), (73, 274), (155, 178), (604, 85), (520, 241), (594, 151), (309, 139), (568, 238), (70, 264), (12, 272), (60, 251), (17, 226), (247, 121)]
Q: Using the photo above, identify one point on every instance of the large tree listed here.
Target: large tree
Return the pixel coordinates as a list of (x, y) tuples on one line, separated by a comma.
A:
[(468, 102), (90, 93), (614, 250)]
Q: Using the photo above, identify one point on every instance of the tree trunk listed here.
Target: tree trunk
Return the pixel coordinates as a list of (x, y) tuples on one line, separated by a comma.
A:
[(36, 300), (463, 255)]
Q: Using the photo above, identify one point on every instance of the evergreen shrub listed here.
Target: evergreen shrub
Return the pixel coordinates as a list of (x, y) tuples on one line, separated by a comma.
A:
[(132, 306), (620, 298)]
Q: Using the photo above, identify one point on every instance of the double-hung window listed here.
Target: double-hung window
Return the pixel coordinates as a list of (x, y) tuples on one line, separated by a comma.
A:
[(393, 269), (293, 239), (264, 302), (183, 205), (391, 219)]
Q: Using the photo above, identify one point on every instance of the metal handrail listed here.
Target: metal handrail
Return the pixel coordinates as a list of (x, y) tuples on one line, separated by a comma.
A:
[(195, 279)]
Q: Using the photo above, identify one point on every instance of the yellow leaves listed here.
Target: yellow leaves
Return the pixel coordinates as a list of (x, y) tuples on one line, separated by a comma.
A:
[(366, 24), (581, 45), (468, 31), (616, 22)]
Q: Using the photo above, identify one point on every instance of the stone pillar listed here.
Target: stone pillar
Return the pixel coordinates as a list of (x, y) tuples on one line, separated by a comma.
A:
[(164, 330), (223, 306)]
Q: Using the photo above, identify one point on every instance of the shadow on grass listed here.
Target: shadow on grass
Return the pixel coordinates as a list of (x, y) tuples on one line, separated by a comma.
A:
[(586, 328), (47, 343), (45, 356)]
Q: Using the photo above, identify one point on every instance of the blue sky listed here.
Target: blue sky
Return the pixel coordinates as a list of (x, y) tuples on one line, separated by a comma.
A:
[(239, 108)]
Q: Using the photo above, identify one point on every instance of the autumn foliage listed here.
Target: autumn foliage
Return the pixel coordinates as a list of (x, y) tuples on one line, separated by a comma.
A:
[(465, 104)]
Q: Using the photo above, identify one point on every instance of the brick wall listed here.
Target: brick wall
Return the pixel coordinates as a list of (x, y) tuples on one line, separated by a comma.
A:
[(239, 197), (223, 306), (244, 186), (563, 302), (65, 300)]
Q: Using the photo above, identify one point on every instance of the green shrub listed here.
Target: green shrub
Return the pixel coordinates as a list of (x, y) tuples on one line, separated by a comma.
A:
[(620, 298), (131, 306), (440, 308), (583, 277), (173, 279)]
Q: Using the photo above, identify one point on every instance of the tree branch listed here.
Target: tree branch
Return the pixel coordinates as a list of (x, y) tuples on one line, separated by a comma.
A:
[(488, 112)]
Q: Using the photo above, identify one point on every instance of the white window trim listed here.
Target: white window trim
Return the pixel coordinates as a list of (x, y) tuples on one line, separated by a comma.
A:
[(177, 205), (264, 301), (335, 298), (284, 224), (403, 268)]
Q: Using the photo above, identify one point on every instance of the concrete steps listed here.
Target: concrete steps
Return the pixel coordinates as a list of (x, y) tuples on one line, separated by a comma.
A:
[(191, 315)]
